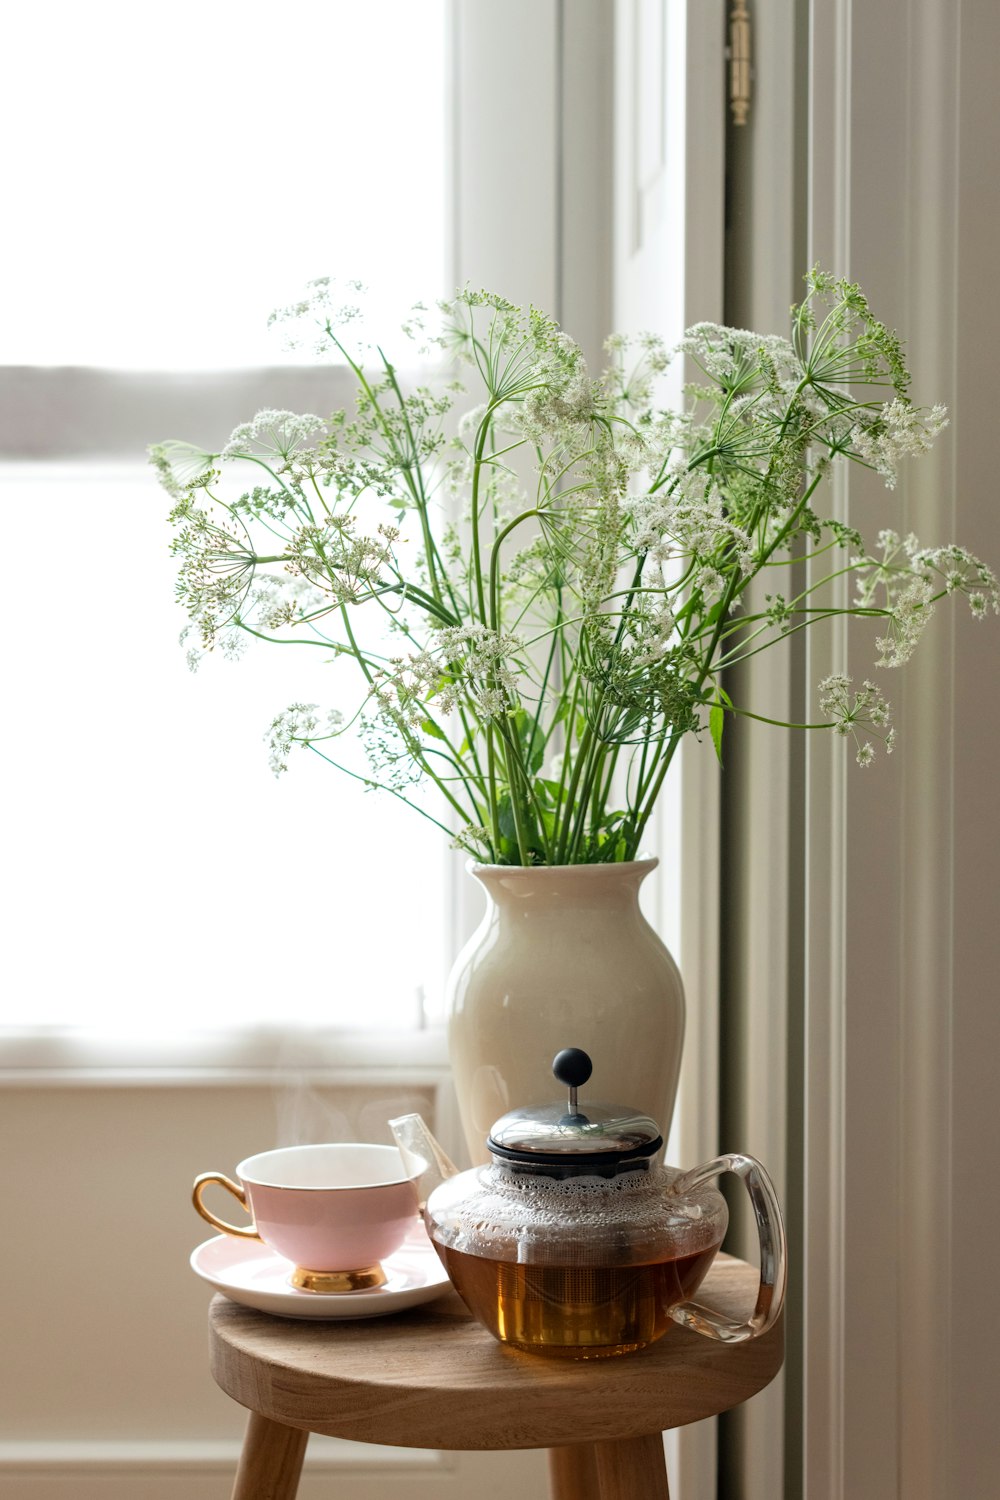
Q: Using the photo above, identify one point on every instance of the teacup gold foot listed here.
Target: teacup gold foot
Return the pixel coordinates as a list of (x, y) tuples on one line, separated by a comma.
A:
[(363, 1280)]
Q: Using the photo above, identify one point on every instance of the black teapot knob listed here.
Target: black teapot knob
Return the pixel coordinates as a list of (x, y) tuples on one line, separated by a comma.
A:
[(572, 1066)]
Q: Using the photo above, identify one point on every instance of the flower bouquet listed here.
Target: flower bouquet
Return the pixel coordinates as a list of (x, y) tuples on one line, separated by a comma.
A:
[(539, 576)]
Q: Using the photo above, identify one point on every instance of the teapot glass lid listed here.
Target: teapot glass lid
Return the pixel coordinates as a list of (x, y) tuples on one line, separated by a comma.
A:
[(568, 1134)]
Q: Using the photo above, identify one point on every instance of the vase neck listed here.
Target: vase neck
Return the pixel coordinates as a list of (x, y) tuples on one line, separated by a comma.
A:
[(515, 888)]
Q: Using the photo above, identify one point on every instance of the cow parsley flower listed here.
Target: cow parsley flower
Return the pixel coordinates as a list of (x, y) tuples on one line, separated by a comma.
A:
[(298, 724), (275, 432), (851, 712), (542, 582), (899, 430)]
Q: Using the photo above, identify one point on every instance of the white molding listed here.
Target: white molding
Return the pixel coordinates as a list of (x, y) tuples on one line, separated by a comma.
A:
[(96, 414), (585, 36), (266, 1056), (703, 166), (195, 1457), (204, 1470), (823, 1197), (187, 1078), (935, 510), (504, 240)]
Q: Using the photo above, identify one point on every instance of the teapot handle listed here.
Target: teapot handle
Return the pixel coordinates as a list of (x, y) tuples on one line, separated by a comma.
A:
[(771, 1292)]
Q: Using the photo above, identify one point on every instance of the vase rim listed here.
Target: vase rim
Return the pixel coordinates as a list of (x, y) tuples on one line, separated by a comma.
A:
[(646, 863)]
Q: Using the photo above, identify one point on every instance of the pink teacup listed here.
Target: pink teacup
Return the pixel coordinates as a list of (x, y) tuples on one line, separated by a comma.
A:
[(336, 1211)]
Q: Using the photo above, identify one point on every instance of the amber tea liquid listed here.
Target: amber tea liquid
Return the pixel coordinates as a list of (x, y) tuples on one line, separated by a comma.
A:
[(581, 1312)]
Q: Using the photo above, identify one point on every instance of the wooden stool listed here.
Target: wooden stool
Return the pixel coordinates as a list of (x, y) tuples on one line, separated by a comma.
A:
[(434, 1378)]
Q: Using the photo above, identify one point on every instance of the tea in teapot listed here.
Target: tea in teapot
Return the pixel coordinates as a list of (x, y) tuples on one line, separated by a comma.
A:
[(575, 1242)]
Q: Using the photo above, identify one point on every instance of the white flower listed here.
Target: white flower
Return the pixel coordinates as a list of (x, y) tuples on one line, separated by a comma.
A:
[(478, 658), (712, 585), (179, 465), (233, 644), (899, 430), (653, 641), (907, 621), (555, 411), (468, 422), (569, 596), (279, 432), (298, 724), (326, 305), (673, 526), (473, 839), (850, 711)]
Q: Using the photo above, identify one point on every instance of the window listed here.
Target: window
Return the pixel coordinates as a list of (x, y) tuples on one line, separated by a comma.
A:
[(158, 874), (184, 169)]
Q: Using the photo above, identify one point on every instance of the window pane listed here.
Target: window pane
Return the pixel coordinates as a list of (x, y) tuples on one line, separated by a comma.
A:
[(182, 169), (157, 872)]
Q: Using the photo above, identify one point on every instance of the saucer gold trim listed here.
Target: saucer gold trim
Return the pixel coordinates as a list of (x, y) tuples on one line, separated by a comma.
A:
[(366, 1279)]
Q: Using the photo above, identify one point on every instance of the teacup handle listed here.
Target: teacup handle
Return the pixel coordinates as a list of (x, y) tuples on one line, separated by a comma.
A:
[(245, 1232), (771, 1230)]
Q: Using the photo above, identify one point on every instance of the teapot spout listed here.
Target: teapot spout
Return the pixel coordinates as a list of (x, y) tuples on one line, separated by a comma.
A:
[(422, 1154)]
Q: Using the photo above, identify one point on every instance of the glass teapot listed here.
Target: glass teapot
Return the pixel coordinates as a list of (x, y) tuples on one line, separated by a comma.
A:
[(574, 1241)]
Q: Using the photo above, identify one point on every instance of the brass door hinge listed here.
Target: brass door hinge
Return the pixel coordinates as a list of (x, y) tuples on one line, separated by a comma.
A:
[(739, 62)]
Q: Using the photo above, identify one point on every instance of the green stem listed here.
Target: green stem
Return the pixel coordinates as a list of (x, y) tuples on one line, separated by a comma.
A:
[(358, 655), (644, 816), (515, 801), (495, 563), (380, 787), (745, 713), (417, 488), (583, 751), (477, 466), (491, 766)]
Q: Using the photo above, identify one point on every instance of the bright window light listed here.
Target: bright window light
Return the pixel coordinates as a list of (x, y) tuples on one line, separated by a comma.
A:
[(174, 172), (158, 875), (179, 172)]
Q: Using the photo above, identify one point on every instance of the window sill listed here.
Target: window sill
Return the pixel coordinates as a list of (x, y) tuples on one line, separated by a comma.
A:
[(80, 1056)]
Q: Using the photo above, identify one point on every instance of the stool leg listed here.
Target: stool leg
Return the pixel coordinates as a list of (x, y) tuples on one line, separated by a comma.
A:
[(573, 1473), (270, 1461), (633, 1469)]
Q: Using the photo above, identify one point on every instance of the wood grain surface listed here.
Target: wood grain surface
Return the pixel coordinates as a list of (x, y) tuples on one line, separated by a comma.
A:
[(270, 1461), (434, 1378), (573, 1473), (632, 1470)]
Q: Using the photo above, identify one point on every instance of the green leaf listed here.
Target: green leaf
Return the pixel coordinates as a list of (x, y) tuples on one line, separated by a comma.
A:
[(429, 727), (716, 720), (531, 740), (505, 819)]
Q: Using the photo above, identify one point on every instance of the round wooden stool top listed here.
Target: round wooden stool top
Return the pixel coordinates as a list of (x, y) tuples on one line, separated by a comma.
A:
[(434, 1378)]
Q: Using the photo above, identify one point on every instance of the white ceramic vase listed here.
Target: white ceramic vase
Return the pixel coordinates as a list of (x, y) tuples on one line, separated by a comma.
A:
[(563, 958)]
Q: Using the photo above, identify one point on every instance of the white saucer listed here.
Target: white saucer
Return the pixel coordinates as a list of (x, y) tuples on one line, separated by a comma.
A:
[(249, 1273)]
